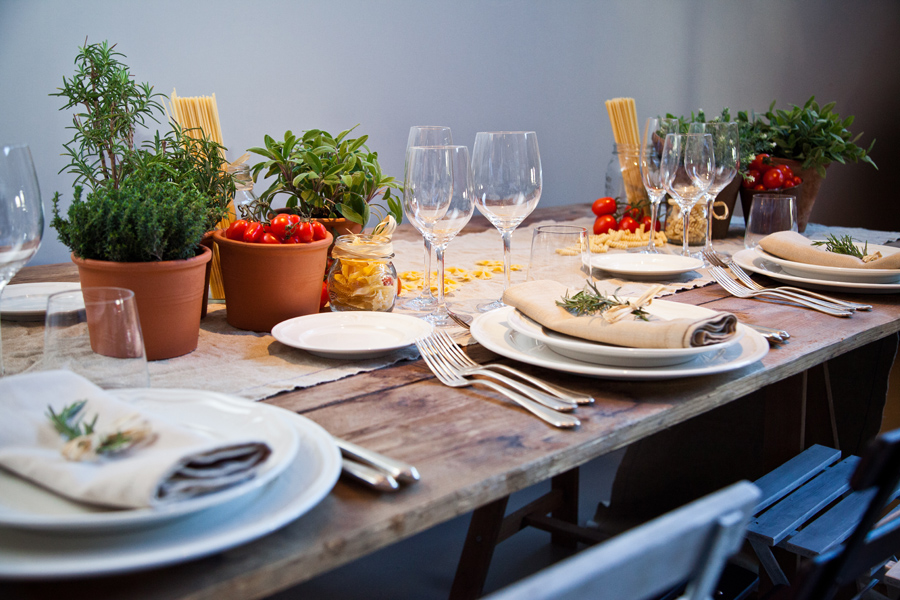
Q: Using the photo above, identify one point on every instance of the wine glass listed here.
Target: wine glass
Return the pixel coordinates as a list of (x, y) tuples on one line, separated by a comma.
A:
[(655, 131), (726, 147), (426, 135), (442, 231), (688, 167), (21, 214), (506, 174)]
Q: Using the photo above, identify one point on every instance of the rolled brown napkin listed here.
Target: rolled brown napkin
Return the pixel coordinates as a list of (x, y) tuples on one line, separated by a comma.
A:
[(178, 463), (537, 300), (790, 245)]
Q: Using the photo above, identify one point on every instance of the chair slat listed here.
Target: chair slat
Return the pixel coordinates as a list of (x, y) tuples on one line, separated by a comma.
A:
[(830, 529), (778, 483), (783, 518)]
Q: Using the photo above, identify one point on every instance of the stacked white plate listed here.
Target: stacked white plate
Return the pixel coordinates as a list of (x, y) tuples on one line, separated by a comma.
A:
[(513, 335), (44, 536)]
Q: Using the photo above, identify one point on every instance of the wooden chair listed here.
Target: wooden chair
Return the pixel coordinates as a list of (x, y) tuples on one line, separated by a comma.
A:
[(849, 543), (690, 544)]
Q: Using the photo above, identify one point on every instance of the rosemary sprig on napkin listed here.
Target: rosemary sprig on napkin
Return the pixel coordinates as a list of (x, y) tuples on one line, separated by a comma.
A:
[(85, 443), (843, 245), (591, 301)]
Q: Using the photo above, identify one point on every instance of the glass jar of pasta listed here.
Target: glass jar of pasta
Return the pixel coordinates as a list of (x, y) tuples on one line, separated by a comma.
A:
[(362, 276)]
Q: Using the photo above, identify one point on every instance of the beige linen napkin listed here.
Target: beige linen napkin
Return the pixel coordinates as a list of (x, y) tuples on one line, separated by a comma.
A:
[(790, 245), (537, 300), (179, 463)]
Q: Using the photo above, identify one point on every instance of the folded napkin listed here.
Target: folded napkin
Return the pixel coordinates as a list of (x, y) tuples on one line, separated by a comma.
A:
[(175, 464), (537, 300), (790, 245)]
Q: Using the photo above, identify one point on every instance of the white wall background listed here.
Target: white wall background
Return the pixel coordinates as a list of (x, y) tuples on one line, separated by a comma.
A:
[(473, 65)]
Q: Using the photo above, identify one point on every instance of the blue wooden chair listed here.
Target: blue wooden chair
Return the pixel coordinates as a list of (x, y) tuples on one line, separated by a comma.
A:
[(690, 544)]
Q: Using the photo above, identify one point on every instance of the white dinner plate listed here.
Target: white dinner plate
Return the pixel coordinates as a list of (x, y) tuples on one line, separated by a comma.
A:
[(306, 481), (28, 301), (838, 273), (351, 334), (492, 331), (750, 260), (645, 266), (217, 416), (620, 356)]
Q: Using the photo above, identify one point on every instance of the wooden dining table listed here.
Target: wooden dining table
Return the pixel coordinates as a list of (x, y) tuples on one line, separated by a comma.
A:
[(473, 448)]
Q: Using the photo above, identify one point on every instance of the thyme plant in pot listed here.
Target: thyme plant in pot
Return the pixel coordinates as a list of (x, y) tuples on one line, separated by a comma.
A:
[(138, 213)]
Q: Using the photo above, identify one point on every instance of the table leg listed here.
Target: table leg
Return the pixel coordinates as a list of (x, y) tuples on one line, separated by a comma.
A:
[(482, 538)]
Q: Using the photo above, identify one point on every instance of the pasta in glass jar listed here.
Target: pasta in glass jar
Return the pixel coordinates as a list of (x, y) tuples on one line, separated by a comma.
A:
[(362, 276)]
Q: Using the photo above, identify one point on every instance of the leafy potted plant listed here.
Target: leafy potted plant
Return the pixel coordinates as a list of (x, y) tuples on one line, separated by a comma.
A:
[(332, 179), (146, 209)]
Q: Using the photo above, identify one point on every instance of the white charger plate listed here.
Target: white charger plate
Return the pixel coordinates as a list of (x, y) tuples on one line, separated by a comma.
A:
[(838, 273), (26, 505), (28, 301), (492, 331), (645, 266), (750, 260), (620, 356), (307, 480), (351, 334)]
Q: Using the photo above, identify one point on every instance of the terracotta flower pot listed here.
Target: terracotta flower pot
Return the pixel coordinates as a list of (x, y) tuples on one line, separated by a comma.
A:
[(169, 296), (266, 284), (806, 198)]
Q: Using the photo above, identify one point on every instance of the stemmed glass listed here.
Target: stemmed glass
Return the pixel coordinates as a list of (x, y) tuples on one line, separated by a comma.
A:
[(726, 147), (426, 135), (655, 131), (506, 173), (21, 214), (688, 167), (442, 231)]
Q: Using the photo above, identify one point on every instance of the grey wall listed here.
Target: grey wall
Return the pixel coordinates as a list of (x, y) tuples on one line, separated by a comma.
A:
[(473, 65)]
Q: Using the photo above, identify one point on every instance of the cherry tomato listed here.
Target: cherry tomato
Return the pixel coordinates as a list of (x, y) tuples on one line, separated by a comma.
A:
[(279, 226), (773, 179), (753, 177), (304, 232), (236, 230), (646, 223), (628, 223), (604, 224), (323, 299), (796, 181), (761, 163), (759, 187), (253, 233), (786, 171), (399, 286), (268, 238), (604, 206), (319, 231)]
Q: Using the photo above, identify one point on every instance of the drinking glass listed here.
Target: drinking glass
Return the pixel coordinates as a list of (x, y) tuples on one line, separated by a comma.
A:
[(426, 135), (726, 147), (655, 131), (21, 214), (769, 213), (560, 253), (96, 333), (442, 231), (506, 173), (688, 165)]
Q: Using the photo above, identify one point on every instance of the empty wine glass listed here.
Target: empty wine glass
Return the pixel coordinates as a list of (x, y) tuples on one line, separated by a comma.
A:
[(506, 174), (688, 166), (21, 214), (655, 131), (726, 148), (426, 135), (442, 231)]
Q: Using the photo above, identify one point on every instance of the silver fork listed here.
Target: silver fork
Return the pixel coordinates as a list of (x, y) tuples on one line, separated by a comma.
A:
[(451, 352), (741, 274), (450, 377), (466, 362), (737, 289)]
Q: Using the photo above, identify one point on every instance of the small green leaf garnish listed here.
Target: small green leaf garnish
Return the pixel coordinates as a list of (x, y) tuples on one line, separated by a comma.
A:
[(594, 302), (843, 245)]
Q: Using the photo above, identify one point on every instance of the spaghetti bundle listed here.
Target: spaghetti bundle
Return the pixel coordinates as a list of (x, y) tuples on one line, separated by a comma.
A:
[(201, 112), (623, 116)]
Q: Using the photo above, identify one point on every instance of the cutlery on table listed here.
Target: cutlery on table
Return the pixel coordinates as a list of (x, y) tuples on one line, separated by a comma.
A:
[(740, 291), (449, 376), (463, 358), (745, 278), (396, 469), (374, 478)]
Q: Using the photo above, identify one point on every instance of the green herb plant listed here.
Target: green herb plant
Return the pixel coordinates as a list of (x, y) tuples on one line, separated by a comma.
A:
[(591, 301), (324, 176)]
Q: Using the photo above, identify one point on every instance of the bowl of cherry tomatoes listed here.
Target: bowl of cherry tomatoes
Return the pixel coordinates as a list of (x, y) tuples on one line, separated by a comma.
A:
[(629, 219), (766, 176)]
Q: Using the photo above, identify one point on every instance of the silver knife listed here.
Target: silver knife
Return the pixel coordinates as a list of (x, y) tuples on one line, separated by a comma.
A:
[(396, 469), (369, 476)]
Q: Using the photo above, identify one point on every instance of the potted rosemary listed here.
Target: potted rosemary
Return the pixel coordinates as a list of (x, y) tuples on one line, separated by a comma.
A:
[(145, 210)]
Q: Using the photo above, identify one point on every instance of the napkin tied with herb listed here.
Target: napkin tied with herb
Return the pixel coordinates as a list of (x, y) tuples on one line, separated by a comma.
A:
[(790, 245), (171, 463), (538, 301)]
